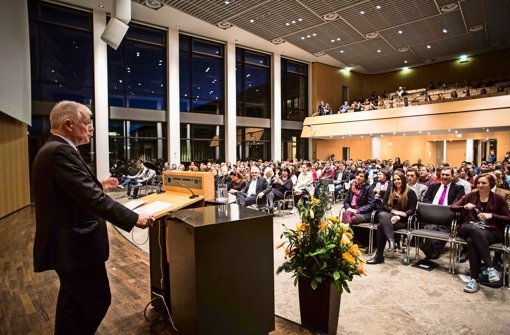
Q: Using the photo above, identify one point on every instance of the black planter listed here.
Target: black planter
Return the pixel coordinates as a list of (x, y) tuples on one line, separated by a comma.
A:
[(319, 308)]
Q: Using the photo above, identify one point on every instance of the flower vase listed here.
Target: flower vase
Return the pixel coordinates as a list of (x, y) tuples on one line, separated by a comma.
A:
[(319, 308)]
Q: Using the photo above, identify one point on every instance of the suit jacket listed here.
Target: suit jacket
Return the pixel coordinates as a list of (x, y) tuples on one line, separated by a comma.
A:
[(455, 192), (365, 200), (70, 211), (262, 186)]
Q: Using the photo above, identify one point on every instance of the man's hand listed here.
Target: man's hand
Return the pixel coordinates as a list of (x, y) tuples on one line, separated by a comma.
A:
[(144, 220), (109, 183)]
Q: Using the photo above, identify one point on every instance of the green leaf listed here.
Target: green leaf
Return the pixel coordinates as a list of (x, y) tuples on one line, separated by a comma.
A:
[(336, 275), (314, 284)]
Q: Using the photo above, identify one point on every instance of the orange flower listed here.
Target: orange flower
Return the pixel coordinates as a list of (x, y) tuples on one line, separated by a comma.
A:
[(349, 235), (354, 250), (323, 225), (345, 240), (348, 258), (301, 226), (333, 219), (361, 270), (288, 251)]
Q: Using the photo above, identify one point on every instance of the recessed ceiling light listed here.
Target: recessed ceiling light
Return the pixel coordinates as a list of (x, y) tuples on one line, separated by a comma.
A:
[(300, 19), (252, 20), (319, 53), (362, 12), (403, 49), (177, 25), (405, 62), (449, 7), (101, 6), (287, 24), (341, 51), (428, 47), (378, 7), (227, 2), (224, 25), (400, 31), (379, 50), (330, 16), (293, 21), (445, 31), (474, 29), (277, 41), (302, 37), (314, 34), (372, 35)]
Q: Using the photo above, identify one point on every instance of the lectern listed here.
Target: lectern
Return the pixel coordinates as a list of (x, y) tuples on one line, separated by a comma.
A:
[(221, 270)]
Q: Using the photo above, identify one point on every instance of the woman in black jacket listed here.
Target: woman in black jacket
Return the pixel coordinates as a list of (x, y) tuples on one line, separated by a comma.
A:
[(359, 201), (398, 204)]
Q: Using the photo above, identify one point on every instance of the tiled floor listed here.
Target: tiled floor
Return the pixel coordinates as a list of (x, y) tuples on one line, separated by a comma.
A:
[(398, 299)]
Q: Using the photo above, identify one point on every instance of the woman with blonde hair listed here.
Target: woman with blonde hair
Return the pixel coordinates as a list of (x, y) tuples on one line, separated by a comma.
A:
[(399, 203)]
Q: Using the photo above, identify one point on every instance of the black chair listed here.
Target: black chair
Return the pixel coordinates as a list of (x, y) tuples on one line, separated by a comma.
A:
[(437, 215)]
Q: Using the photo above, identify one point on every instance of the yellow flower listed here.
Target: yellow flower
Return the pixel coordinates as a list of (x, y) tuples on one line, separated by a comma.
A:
[(349, 235), (345, 227), (333, 219), (348, 258), (323, 225), (354, 250), (315, 201), (301, 226), (279, 245), (361, 270), (345, 240), (311, 213)]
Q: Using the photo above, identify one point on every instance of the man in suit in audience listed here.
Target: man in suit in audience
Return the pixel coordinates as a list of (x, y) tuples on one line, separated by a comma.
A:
[(444, 193), (70, 212), (255, 190)]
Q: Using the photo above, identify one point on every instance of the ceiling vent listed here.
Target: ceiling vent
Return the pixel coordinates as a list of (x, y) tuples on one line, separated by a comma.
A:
[(474, 29), (224, 25), (154, 4), (403, 49), (277, 41), (330, 17), (319, 53), (449, 8), (372, 35)]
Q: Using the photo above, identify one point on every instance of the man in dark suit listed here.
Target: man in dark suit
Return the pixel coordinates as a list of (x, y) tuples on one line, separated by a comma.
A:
[(71, 209), (445, 193), (255, 190)]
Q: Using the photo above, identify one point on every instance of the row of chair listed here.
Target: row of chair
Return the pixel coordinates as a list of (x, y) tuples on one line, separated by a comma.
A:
[(441, 216)]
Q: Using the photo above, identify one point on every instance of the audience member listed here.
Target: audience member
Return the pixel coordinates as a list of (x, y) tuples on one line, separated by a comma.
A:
[(359, 201)]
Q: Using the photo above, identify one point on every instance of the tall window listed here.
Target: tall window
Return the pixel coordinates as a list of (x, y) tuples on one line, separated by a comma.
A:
[(294, 90), (201, 143), (253, 80), (137, 70), (253, 143), (201, 67), (62, 65), (293, 146)]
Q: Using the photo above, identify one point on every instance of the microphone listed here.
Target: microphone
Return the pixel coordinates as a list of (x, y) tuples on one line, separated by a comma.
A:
[(192, 196)]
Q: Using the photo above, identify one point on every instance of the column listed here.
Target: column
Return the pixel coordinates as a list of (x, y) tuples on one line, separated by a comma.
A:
[(376, 147), (230, 104), (469, 149), (101, 96), (173, 91), (276, 118)]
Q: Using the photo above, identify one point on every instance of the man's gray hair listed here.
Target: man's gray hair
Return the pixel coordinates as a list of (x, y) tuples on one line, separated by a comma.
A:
[(66, 109)]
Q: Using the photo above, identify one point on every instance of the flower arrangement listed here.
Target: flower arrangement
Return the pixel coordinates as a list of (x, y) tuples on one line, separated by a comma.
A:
[(321, 248)]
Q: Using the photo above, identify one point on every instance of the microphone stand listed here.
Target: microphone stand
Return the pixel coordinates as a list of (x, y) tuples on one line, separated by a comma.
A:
[(192, 196)]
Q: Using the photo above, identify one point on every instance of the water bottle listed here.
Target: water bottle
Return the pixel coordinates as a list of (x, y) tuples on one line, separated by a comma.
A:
[(405, 257)]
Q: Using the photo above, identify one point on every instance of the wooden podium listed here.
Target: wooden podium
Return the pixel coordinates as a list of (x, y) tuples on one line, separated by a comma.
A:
[(221, 270)]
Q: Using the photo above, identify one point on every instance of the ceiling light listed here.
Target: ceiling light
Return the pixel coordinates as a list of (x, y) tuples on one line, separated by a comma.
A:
[(400, 31), (378, 50), (445, 31), (348, 68), (252, 20), (428, 47), (154, 4), (449, 7), (463, 57), (319, 53), (277, 41), (300, 19), (362, 12), (287, 24), (378, 7), (474, 29), (372, 35), (224, 25), (314, 34), (227, 2), (405, 68), (293, 21), (101, 6), (302, 37), (405, 62), (341, 51), (330, 16)]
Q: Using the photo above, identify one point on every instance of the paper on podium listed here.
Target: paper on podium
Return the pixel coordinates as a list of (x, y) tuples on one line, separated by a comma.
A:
[(134, 203), (154, 207)]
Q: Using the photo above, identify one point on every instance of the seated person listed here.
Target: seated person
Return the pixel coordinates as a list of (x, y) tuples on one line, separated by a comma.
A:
[(341, 177), (237, 182), (304, 184), (223, 178), (279, 186), (482, 205), (444, 193), (359, 201), (255, 190), (454, 95), (399, 203), (380, 187), (134, 178), (344, 108), (412, 182), (146, 177)]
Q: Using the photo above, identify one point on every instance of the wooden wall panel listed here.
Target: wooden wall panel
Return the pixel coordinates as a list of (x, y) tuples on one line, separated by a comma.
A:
[(359, 148), (327, 80), (14, 172), (455, 152)]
